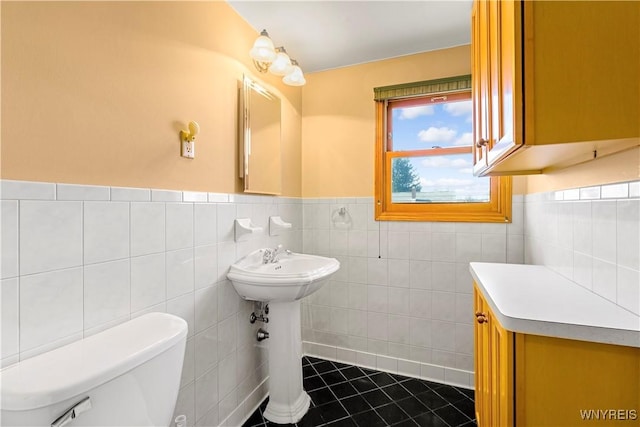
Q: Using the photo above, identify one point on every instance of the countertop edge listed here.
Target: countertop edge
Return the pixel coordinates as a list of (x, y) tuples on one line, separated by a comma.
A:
[(596, 334)]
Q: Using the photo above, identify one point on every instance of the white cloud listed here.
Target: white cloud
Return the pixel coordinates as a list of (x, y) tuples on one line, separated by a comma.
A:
[(434, 134), (459, 163), (436, 162), (464, 139), (444, 162), (456, 109), (466, 171), (413, 112)]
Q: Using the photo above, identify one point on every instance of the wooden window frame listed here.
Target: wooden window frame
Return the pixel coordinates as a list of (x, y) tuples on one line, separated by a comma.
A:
[(497, 209)]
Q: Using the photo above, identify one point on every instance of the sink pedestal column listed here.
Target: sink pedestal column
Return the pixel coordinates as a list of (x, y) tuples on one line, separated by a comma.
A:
[(288, 402)]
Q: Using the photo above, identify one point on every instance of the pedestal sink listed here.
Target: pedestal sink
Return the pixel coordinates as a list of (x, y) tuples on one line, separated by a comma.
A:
[(282, 279)]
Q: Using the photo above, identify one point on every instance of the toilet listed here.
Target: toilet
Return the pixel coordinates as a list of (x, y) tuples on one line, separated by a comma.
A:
[(128, 375)]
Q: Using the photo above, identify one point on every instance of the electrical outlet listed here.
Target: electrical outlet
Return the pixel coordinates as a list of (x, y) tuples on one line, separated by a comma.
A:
[(188, 149)]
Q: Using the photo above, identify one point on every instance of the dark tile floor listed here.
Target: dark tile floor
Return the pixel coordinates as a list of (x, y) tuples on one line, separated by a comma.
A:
[(345, 395)]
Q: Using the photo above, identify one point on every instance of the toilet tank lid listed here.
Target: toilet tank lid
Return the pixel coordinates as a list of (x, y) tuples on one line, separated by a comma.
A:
[(57, 375)]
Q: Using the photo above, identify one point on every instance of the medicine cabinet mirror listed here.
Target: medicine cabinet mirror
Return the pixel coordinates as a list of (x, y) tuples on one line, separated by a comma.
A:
[(259, 139)]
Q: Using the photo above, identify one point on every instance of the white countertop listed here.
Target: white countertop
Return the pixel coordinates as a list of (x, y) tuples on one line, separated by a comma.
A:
[(533, 299)]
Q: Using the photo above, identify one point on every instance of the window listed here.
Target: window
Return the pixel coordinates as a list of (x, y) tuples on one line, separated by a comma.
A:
[(424, 158)]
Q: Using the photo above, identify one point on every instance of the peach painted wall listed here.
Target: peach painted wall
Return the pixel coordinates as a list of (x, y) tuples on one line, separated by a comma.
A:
[(338, 121), (96, 93)]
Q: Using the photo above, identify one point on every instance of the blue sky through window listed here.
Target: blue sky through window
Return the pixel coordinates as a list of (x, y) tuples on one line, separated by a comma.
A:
[(444, 178)]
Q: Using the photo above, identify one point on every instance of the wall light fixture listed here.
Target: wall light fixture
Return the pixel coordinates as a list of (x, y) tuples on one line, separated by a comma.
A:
[(266, 57)]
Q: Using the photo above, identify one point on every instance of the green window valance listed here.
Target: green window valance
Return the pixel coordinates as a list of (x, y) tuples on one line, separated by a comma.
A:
[(407, 90)]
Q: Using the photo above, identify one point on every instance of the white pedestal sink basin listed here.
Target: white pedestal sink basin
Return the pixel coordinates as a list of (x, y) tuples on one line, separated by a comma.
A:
[(282, 279)]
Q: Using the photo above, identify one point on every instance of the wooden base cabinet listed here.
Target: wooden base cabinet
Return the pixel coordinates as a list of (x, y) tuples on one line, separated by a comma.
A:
[(535, 381)]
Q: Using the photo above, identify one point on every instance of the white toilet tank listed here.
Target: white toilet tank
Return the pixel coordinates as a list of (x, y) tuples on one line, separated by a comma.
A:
[(128, 375)]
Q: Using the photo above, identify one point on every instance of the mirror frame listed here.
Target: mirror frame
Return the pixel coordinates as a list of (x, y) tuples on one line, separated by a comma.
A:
[(247, 90)]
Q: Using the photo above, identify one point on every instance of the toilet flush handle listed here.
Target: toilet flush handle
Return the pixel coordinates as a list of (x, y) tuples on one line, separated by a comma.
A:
[(73, 412)]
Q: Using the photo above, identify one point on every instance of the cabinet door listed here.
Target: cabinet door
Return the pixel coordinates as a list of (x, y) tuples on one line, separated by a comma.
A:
[(482, 364), (505, 72), (501, 357), (494, 357), (480, 83)]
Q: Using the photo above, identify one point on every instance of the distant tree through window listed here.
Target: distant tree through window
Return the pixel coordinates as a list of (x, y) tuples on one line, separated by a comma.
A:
[(424, 156)]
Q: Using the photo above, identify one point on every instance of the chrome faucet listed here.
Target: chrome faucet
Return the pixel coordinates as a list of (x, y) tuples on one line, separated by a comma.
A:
[(271, 255)]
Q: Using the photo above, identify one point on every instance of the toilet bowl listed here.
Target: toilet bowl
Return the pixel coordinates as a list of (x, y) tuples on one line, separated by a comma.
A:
[(128, 375)]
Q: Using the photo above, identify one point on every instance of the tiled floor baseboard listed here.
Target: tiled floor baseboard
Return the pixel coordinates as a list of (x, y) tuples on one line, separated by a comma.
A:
[(410, 368)]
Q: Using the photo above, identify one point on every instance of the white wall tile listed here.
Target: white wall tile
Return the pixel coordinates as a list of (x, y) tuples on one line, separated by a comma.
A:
[(227, 337), (420, 245), (206, 350), (420, 332), (399, 299), (206, 393), (228, 300), (10, 317), (420, 303), (147, 228), (357, 267), (26, 190), (420, 275), (179, 225), (9, 248), (206, 223), (398, 245), (582, 230), (628, 233), (634, 189), (148, 281), (227, 375), (399, 273), (50, 307), (206, 266), (188, 366), (629, 289), (377, 271), (583, 270), (441, 334), (515, 249), (194, 196), (604, 279), (126, 194), (106, 292), (183, 306), (82, 192), (603, 223), (468, 247), (443, 246), (377, 327), (166, 196), (226, 256), (106, 231), (50, 236), (494, 247), (377, 299), (443, 306), (399, 329), (358, 297), (443, 276), (358, 244), (180, 270)]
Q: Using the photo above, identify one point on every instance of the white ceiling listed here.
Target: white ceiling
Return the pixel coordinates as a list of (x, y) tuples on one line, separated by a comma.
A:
[(330, 34)]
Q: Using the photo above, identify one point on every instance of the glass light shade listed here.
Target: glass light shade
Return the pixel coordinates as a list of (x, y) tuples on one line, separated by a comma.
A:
[(263, 50), (282, 64), (295, 77)]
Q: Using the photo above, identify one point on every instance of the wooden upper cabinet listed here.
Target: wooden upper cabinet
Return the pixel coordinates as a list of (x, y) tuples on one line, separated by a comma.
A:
[(555, 83)]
